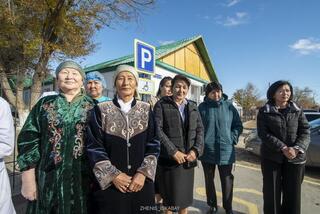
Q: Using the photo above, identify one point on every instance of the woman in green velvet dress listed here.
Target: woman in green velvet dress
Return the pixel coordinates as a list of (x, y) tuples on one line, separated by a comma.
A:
[(55, 173)]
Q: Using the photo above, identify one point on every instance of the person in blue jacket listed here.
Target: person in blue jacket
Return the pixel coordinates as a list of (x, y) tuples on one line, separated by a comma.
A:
[(95, 83), (222, 127)]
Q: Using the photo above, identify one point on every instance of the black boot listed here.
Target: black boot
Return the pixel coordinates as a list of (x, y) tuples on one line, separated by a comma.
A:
[(213, 210), (229, 211)]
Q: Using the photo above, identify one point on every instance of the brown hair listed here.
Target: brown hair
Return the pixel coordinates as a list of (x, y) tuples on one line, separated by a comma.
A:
[(162, 83)]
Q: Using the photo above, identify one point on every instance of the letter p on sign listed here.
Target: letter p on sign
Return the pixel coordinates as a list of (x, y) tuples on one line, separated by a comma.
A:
[(144, 57)]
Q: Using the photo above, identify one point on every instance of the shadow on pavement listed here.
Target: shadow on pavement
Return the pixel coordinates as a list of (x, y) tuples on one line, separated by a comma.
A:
[(242, 155), (203, 208)]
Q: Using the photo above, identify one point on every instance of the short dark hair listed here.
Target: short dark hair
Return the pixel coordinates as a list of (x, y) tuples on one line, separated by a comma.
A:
[(182, 78), (274, 87), (162, 83), (213, 86)]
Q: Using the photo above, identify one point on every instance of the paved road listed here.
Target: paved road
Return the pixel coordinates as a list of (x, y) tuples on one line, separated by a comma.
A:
[(247, 189), (247, 192)]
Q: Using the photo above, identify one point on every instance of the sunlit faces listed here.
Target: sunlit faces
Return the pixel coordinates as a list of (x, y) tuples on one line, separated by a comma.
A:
[(69, 79), (215, 94), (282, 94), (180, 90), (126, 84), (94, 88), (165, 90)]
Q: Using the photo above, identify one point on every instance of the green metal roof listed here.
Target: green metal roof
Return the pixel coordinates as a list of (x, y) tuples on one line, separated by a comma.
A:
[(160, 52)]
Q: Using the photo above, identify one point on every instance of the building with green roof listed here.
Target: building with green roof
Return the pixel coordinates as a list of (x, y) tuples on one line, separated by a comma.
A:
[(188, 57)]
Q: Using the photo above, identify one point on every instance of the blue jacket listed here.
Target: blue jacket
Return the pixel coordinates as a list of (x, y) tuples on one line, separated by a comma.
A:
[(222, 128), (103, 99)]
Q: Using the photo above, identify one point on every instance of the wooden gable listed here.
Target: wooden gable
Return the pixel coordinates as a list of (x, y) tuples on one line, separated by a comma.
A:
[(189, 60)]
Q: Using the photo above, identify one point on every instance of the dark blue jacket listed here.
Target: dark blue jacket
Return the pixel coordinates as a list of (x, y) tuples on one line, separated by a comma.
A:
[(222, 127)]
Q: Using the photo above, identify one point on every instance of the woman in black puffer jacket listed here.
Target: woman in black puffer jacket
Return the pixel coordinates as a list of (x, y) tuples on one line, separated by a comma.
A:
[(180, 130), (284, 131)]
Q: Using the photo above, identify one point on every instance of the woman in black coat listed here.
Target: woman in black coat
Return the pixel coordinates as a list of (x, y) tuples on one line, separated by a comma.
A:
[(180, 132), (284, 131)]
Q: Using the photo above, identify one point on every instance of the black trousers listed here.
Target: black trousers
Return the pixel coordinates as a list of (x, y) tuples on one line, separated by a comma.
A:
[(226, 179), (282, 187), (112, 201)]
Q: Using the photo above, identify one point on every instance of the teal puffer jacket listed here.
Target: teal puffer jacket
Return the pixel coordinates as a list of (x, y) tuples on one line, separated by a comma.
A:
[(222, 128)]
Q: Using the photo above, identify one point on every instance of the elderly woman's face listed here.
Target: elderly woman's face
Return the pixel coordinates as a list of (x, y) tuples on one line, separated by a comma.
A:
[(126, 84), (94, 88), (282, 94), (69, 79)]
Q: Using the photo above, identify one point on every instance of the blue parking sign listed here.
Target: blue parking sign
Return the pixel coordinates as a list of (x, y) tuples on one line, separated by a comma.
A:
[(144, 59)]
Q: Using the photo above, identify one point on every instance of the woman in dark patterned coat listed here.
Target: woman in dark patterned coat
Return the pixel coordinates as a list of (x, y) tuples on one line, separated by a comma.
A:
[(55, 172), (123, 150)]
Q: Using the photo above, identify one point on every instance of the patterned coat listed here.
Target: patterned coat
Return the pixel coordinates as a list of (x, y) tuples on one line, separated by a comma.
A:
[(51, 141), (122, 142)]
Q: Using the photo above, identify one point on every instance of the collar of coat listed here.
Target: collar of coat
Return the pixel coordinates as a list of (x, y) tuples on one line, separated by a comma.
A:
[(169, 99), (79, 96), (214, 102), (115, 101), (271, 108)]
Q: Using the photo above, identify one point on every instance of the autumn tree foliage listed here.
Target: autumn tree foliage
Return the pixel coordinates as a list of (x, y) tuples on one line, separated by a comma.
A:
[(34, 32), (248, 98)]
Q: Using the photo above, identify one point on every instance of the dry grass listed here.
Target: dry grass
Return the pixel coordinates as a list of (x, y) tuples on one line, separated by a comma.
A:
[(251, 124)]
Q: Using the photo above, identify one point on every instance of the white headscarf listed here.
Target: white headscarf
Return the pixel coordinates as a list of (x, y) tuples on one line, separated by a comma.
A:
[(132, 70)]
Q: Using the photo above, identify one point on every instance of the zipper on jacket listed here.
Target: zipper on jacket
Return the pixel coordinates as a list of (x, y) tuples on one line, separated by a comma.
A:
[(128, 144), (283, 126)]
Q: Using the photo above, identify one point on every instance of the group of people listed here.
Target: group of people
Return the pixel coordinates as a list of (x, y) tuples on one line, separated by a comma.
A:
[(81, 152)]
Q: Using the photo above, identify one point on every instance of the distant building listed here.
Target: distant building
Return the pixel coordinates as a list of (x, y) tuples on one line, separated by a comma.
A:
[(237, 106), (188, 57)]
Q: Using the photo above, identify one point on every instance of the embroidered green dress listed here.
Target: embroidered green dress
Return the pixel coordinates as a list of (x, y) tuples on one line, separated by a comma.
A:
[(51, 141)]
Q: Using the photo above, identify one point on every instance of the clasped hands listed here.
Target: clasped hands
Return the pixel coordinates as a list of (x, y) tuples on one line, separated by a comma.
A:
[(125, 183), (181, 157), (290, 152)]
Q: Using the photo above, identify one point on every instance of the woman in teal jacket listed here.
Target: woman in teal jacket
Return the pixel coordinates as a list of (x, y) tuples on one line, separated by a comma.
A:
[(222, 127)]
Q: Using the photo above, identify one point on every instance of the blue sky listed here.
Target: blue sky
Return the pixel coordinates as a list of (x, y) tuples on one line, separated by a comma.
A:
[(248, 40)]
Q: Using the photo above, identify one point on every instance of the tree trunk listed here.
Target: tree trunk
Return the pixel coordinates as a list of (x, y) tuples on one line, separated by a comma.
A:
[(5, 86), (15, 100), (23, 114), (38, 77)]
